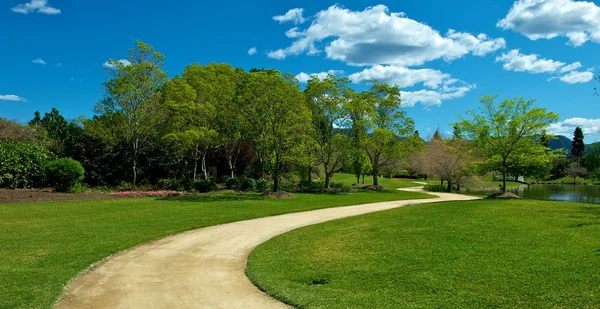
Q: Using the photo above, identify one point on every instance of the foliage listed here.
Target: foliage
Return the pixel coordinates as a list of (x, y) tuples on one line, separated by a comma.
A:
[(591, 159), (506, 132), (262, 184), (134, 92), (578, 145), (21, 164), (449, 160), (11, 131), (204, 186), (577, 170), (64, 174)]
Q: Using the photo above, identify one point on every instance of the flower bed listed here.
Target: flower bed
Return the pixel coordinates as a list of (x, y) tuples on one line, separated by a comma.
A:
[(148, 194)]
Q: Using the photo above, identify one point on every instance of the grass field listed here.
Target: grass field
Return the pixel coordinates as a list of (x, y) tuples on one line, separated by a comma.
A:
[(44, 245), (349, 179), (480, 254)]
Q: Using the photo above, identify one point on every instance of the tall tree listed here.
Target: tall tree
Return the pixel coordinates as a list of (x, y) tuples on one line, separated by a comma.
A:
[(505, 131), (450, 160), (276, 116), (134, 92), (388, 128), (578, 145), (326, 100)]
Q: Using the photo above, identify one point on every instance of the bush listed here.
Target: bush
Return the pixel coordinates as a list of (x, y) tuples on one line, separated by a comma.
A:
[(204, 186), (64, 174), (232, 183), (22, 164), (247, 184), (435, 188), (262, 184)]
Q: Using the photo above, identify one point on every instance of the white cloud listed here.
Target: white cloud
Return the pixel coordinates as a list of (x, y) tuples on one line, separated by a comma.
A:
[(252, 51), (376, 36), (108, 65), (59, 64), (571, 67), (293, 15), (515, 61), (39, 61), (577, 77), (579, 21), (435, 97), (12, 97), (304, 77), (401, 76), (36, 6), (567, 127)]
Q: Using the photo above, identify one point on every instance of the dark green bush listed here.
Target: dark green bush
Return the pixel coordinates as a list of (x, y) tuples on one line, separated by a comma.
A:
[(64, 174), (247, 184), (204, 186), (232, 183), (262, 184), (21, 164), (435, 188)]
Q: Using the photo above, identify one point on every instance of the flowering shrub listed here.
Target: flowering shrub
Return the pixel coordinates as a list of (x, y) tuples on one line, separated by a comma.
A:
[(162, 193)]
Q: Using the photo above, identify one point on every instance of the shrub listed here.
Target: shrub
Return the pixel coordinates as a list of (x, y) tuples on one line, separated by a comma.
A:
[(64, 174), (247, 184), (232, 183), (435, 188), (262, 184), (21, 164), (204, 186)]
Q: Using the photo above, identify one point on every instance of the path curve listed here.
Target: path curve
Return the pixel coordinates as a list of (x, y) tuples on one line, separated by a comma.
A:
[(203, 268)]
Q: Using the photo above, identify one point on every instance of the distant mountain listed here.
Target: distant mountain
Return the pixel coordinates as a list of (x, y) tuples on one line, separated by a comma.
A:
[(565, 143)]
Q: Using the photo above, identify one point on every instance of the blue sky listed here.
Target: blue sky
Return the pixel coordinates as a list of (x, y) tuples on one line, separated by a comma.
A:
[(443, 54)]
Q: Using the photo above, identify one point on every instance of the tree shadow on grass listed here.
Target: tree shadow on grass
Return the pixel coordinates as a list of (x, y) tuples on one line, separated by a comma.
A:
[(207, 198)]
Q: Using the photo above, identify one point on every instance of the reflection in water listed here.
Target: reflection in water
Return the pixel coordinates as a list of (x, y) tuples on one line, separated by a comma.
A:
[(565, 193)]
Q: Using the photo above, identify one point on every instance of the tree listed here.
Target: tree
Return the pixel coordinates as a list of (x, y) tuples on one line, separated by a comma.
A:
[(578, 145), (576, 170), (591, 159), (326, 100), (457, 133), (449, 160), (388, 127), (62, 132), (134, 92), (505, 131), (276, 117), (437, 136)]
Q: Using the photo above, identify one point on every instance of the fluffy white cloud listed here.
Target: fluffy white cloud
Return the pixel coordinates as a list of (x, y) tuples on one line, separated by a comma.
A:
[(304, 77), (39, 61), (402, 76), (376, 36), (12, 97), (252, 51), (515, 61), (107, 64), (571, 67), (36, 6), (579, 21), (293, 15), (429, 97), (577, 77), (567, 127)]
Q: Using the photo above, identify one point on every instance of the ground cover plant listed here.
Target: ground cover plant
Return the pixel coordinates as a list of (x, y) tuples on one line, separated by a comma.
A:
[(44, 245), (480, 254)]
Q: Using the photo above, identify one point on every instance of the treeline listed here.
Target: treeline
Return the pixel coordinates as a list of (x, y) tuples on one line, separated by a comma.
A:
[(214, 122)]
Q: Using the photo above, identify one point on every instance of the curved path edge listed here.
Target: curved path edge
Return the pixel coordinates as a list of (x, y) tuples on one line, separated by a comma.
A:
[(203, 268)]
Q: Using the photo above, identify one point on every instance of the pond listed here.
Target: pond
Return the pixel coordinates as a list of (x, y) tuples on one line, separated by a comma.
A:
[(564, 193)]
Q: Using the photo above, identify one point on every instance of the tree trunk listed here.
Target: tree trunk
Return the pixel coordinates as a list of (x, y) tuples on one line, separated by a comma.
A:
[(276, 173), (195, 169), (449, 186), (375, 177), (204, 166), (135, 157), (363, 177), (327, 179), (231, 167), (442, 184), (504, 181), (309, 176)]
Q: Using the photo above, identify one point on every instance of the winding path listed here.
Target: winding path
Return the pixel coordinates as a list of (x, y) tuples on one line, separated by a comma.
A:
[(202, 268)]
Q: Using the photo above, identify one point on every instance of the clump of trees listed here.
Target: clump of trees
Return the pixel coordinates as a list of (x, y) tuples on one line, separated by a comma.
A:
[(214, 122)]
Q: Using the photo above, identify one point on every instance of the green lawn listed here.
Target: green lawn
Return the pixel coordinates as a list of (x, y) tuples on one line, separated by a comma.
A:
[(44, 245), (349, 179), (480, 254)]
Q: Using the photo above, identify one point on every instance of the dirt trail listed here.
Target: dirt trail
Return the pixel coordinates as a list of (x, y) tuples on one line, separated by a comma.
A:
[(202, 268)]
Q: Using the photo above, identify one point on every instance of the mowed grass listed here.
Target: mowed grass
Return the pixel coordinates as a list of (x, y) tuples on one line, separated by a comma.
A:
[(349, 179), (44, 245), (479, 254)]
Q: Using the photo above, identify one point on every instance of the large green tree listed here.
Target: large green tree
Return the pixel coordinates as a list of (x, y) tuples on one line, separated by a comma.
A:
[(276, 118), (506, 131), (578, 145), (388, 129), (326, 100), (134, 91)]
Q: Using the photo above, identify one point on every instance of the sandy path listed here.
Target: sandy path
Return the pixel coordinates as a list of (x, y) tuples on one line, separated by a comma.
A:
[(202, 268)]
